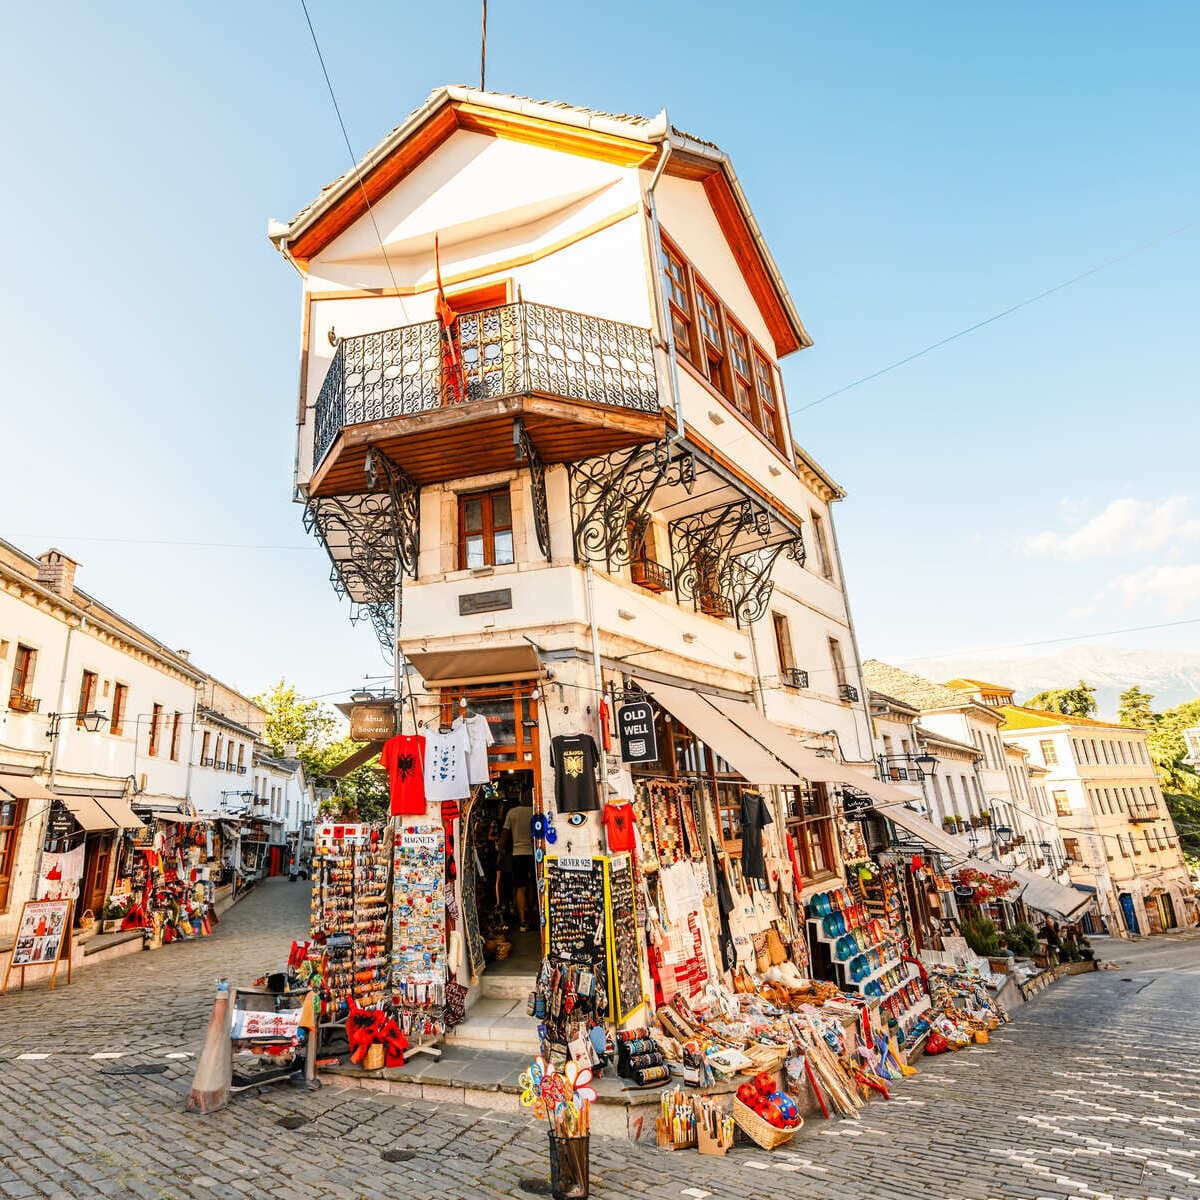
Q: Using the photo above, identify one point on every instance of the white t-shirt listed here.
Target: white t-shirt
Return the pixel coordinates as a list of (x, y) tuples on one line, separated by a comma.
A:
[(479, 735), (446, 775), (518, 821)]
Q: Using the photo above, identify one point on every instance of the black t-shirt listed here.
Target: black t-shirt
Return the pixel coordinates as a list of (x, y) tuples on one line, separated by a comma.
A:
[(754, 817), (575, 758)]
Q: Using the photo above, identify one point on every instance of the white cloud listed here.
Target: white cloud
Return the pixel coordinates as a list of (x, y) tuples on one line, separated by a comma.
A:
[(1123, 527), (1177, 587)]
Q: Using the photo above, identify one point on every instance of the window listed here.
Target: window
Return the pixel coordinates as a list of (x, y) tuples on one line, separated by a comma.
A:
[(176, 727), (87, 696), (1121, 843), (204, 741), (810, 823), (12, 813), (116, 723), (229, 755), (1071, 846), (1049, 755), (21, 685), (740, 373), (1062, 802), (1121, 748), (839, 665), (485, 533), (155, 723), (783, 647), (241, 764), (768, 404), (675, 276), (217, 759), (823, 559), (712, 342)]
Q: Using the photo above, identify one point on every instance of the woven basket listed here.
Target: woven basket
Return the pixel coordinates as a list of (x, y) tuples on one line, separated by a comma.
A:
[(762, 1132), (375, 1057)]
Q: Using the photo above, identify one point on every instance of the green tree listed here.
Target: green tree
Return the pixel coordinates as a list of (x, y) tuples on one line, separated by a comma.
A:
[(294, 723), (307, 729), (1169, 748), (1185, 812), (1079, 701), (1135, 708)]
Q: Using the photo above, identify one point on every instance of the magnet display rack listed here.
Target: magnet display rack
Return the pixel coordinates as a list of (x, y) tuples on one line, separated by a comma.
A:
[(876, 961), (349, 911)]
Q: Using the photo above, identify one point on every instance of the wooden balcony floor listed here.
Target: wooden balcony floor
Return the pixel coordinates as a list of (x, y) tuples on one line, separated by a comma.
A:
[(476, 438)]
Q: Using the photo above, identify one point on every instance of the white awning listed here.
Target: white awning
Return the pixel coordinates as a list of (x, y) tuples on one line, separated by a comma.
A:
[(21, 787), (784, 745), (891, 802), (88, 813), (1052, 898), (703, 715), (119, 809)]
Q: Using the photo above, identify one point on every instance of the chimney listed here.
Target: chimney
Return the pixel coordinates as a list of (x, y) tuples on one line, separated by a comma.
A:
[(186, 655), (57, 572)]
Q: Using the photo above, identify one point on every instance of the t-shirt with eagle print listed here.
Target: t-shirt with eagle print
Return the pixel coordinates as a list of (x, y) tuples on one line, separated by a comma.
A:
[(403, 758)]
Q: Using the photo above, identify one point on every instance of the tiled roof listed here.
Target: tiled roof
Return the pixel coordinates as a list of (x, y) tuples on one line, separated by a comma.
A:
[(977, 685), (891, 701), (940, 739), (912, 689), (1016, 716)]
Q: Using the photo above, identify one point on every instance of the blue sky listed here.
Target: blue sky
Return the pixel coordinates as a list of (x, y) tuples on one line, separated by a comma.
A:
[(916, 168)]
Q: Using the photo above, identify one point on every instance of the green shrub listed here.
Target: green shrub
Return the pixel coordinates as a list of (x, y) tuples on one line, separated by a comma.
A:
[(1022, 939), (981, 935)]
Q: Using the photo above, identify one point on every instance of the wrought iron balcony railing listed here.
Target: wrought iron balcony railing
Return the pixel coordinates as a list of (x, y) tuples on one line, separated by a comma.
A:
[(513, 350), (23, 704), (847, 692), (647, 573), (794, 677)]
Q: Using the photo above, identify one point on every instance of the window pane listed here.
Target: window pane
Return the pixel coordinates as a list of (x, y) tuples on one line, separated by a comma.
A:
[(501, 509), (473, 514), (475, 551), (504, 547)]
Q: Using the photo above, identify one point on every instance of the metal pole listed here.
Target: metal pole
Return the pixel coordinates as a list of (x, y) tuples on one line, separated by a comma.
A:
[(483, 51), (598, 674)]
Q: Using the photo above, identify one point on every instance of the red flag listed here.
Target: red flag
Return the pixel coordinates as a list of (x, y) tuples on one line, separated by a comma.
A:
[(454, 384)]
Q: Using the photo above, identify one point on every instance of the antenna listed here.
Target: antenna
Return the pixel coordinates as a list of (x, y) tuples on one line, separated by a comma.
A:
[(483, 51)]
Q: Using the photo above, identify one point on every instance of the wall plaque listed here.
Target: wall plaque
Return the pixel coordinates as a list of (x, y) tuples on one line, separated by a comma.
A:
[(481, 602)]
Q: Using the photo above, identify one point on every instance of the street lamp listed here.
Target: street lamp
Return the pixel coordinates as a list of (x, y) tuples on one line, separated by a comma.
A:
[(91, 721), (927, 763)]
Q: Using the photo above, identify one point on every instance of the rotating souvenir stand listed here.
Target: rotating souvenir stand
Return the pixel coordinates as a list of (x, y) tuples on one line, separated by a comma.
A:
[(418, 968), (349, 915)]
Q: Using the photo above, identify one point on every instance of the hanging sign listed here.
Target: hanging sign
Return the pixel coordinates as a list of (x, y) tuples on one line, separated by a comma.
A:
[(60, 824), (856, 806), (372, 722), (635, 727)]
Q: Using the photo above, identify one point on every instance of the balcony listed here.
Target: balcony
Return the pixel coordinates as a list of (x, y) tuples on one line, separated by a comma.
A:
[(847, 692), (1139, 816), (580, 385), (23, 704), (715, 605), (793, 677), (654, 577)]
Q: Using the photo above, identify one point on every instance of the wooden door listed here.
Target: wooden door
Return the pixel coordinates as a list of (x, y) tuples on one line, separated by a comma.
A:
[(97, 860)]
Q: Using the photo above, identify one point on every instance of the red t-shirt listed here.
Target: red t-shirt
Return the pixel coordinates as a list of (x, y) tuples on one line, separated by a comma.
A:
[(618, 827), (403, 758)]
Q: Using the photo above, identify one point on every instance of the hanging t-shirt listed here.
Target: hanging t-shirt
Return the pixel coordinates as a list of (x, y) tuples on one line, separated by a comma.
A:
[(446, 775), (754, 818), (618, 827), (575, 759), (479, 738), (403, 758)]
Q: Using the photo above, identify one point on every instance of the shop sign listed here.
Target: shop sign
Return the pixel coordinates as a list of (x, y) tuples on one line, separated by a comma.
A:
[(568, 862), (482, 602), (635, 727), (856, 806), (422, 841), (61, 823), (372, 722)]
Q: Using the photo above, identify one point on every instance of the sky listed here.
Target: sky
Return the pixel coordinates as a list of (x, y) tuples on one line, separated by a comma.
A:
[(916, 169)]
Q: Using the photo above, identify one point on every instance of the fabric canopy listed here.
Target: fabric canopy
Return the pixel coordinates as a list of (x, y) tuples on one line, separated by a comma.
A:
[(121, 812), (1052, 898), (479, 664), (23, 788), (805, 763), (88, 813), (701, 714)]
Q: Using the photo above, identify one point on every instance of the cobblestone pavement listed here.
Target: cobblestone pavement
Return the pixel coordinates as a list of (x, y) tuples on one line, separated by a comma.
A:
[(1092, 1091)]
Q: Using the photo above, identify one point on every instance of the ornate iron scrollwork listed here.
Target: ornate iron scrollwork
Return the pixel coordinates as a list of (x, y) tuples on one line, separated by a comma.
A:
[(700, 550), (613, 491), (372, 540), (751, 582), (537, 487)]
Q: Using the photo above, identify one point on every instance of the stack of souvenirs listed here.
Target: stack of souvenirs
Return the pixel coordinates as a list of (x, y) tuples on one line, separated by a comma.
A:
[(169, 884), (962, 1012)]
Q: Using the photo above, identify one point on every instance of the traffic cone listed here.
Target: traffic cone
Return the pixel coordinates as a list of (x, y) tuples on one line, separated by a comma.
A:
[(214, 1070)]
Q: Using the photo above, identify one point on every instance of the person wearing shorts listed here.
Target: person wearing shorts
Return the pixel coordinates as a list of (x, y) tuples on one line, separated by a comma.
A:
[(517, 824)]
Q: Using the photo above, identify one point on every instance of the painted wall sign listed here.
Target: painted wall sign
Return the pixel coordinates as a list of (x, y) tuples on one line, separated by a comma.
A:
[(482, 602), (372, 722), (635, 727)]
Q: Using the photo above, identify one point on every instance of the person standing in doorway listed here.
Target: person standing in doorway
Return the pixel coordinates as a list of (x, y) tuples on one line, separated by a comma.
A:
[(518, 824)]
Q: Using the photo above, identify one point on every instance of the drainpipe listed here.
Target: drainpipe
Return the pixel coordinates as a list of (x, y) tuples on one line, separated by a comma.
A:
[(663, 314), (598, 675), (41, 828)]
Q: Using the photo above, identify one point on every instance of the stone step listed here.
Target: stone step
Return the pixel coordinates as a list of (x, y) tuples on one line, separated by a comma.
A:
[(507, 1034), (494, 986)]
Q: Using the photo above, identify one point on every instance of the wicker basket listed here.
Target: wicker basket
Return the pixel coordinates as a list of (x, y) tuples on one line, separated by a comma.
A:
[(762, 1132), (375, 1057)]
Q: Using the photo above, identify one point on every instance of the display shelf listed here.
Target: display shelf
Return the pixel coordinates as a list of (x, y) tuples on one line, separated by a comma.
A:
[(887, 966), (902, 984), (859, 953), (915, 1009)]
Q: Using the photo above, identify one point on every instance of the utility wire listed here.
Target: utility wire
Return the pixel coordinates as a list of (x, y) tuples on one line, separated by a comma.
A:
[(349, 148)]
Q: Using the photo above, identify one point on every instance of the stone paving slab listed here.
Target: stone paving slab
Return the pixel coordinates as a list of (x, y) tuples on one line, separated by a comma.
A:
[(1093, 1091)]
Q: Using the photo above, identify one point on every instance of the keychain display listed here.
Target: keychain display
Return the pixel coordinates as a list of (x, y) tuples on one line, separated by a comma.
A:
[(418, 962)]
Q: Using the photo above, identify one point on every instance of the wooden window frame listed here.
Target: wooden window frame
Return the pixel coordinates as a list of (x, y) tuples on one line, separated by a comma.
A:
[(714, 355), (10, 838), (824, 558), (156, 713), (1058, 804), (489, 528), (742, 381), (807, 827), (838, 661), (120, 701), (24, 667), (176, 729), (784, 651), (205, 741), (89, 684), (723, 381), (1071, 848), (1049, 752)]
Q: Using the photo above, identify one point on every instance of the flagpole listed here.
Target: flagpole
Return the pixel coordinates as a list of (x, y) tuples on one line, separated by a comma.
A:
[(483, 51)]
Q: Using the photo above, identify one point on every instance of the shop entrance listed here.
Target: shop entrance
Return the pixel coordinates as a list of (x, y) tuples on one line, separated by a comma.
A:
[(97, 859), (498, 853)]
